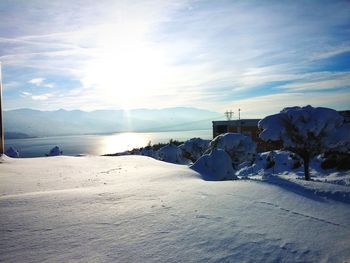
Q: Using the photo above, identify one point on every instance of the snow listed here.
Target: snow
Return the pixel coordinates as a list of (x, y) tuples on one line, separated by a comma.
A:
[(216, 166), (194, 148), (286, 170), (272, 162), (138, 209), (186, 153), (315, 128), (171, 153), (239, 147), (148, 151)]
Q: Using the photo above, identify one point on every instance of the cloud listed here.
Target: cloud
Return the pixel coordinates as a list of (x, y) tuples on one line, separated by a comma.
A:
[(331, 52), (157, 53), (41, 83), (10, 85), (41, 97), (36, 81), (26, 94), (260, 106), (320, 81), (49, 85)]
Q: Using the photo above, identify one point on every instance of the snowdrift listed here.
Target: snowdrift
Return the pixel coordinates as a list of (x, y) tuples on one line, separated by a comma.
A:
[(138, 209), (216, 166)]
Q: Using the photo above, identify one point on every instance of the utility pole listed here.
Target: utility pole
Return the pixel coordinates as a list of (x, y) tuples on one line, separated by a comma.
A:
[(2, 150), (229, 115), (239, 114)]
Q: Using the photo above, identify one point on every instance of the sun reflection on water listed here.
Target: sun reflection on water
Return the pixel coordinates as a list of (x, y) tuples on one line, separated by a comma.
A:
[(122, 141)]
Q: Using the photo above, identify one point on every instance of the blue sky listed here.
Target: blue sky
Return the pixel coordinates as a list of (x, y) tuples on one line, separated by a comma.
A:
[(259, 56)]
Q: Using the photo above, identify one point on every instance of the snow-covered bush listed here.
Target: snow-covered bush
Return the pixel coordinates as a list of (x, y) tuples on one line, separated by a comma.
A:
[(239, 147), (55, 151), (282, 159), (12, 152), (171, 154), (194, 148), (216, 165), (307, 131), (271, 162), (148, 151)]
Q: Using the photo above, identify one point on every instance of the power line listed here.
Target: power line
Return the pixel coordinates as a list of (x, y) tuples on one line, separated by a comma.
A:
[(229, 115)]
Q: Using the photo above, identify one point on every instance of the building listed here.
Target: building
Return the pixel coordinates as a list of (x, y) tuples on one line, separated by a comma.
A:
[(247, 127)]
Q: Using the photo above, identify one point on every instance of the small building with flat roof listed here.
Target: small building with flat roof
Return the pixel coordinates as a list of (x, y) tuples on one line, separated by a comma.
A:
[(244, 126), (247, 127)]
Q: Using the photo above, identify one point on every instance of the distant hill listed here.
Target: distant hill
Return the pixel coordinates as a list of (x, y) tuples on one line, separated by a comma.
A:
[(16, 135), (63, 122)]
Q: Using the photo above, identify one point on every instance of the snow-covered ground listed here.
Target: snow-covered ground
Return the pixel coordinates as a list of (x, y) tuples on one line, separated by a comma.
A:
[(138, 209)]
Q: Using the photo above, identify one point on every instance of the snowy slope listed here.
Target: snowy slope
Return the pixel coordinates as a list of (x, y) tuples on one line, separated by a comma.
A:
[(137, 209)]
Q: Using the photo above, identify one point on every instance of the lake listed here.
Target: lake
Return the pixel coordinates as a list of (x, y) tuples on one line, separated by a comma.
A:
[(99, 144)]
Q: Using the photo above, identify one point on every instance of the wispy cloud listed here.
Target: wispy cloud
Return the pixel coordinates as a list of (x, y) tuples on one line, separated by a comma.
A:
[(319, 81), (11, 85), (49, 85), (26, 94), (331, 52), (45, 96), (41, 82), (42, 96), (260, 106), (36, 81)]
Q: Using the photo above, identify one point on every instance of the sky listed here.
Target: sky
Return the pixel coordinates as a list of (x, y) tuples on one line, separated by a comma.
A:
[(259, 56)]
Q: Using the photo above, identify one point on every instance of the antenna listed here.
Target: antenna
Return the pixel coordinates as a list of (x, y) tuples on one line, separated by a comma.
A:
[(1, 126), (229, 115)]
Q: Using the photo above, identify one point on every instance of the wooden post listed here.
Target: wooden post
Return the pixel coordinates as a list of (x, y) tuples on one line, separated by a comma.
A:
[(2, 147)]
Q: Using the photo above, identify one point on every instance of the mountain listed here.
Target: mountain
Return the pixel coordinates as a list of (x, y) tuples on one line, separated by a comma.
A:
[(64, 122), (16, 135)]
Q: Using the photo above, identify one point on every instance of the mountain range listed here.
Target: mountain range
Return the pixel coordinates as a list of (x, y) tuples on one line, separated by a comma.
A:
[(67, 122)]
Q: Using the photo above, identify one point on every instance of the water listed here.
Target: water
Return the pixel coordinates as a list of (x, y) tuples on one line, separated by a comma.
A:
[(98, 144)]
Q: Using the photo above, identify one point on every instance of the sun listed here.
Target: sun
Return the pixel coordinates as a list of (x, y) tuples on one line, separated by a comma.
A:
[(125, 71)]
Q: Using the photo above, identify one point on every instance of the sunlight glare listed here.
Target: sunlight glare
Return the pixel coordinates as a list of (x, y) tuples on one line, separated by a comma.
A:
[(121, 141), (125, 69)]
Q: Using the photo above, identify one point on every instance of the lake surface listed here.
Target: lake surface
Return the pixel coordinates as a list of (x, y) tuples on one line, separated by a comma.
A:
[(99, 144)]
